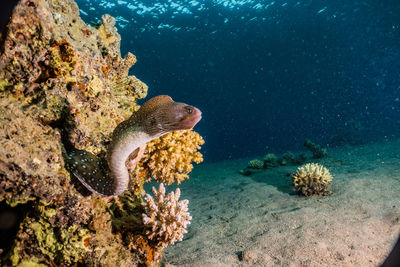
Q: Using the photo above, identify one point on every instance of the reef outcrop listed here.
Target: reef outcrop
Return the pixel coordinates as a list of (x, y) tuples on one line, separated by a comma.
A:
[(58, 74), (64, 83)]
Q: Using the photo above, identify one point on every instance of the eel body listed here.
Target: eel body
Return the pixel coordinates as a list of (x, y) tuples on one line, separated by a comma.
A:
[(110, 176)]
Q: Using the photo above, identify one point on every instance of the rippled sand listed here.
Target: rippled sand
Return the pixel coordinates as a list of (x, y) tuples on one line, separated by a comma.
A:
[(259, 221)]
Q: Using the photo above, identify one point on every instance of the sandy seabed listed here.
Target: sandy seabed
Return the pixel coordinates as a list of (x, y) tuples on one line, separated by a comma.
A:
[(259, 221)]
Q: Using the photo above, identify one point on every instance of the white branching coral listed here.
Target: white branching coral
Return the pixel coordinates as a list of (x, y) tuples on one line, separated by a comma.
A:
[(166, 218)]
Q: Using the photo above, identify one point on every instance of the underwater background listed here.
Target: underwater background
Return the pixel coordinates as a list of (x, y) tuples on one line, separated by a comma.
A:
[(268, 74), (300, 104)]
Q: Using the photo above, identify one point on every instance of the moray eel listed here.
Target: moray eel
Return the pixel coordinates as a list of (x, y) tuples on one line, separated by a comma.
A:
[(156, 117)]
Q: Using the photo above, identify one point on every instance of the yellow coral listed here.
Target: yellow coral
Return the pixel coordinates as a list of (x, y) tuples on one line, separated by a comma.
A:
[(169, 158), (3, 85), (61, 60), (105, 31), (312, 179)]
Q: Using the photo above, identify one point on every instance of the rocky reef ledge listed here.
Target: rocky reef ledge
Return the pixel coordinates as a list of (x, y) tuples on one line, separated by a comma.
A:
[(64, 83)]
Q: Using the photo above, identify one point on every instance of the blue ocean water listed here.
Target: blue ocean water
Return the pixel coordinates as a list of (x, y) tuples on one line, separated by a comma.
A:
[(268, 74)]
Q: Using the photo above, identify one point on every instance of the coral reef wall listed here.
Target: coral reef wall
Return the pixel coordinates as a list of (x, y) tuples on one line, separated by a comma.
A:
[(59, 77), (54, 68)]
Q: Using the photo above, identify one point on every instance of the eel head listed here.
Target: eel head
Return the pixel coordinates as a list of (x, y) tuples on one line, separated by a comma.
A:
[(170, 116)]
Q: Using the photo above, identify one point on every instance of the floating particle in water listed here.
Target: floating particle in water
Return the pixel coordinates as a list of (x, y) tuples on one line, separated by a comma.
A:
[(83, 12), (321, 10)]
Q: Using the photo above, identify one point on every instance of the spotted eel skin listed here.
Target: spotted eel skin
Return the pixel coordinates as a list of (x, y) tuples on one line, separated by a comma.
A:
[(156, 117)]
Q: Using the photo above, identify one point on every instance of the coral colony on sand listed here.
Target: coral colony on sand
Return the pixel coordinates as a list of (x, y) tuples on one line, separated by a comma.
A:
[(63, 85), (309, 179), (315, 149), (312, 179), (270, 160), (255, 164)]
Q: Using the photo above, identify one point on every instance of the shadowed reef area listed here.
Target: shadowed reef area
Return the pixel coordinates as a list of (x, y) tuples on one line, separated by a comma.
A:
[(64, 84)]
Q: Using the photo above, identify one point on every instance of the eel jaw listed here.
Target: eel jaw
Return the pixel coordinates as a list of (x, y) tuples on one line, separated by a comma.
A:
[(188, 122)]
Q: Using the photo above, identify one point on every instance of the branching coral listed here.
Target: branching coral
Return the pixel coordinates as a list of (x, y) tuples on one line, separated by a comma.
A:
[(312, 179), (165, 217), (169, 158)]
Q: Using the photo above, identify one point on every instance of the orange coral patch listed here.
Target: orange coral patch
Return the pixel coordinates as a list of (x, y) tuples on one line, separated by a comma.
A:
[(146, 249), (86, 242)]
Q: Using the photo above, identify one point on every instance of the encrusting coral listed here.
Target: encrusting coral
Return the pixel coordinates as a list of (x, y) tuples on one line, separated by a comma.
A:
[(64, 83), (312, 179), (165, 217), (127, 221), (67, 244), (109, 242)]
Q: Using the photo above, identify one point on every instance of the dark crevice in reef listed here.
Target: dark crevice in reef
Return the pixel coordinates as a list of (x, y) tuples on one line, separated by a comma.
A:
[(60, 126), (67, 148), (6, 10), (10, 219)]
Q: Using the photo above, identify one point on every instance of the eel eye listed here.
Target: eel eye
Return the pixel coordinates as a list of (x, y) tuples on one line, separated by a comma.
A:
[(189, 110)]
